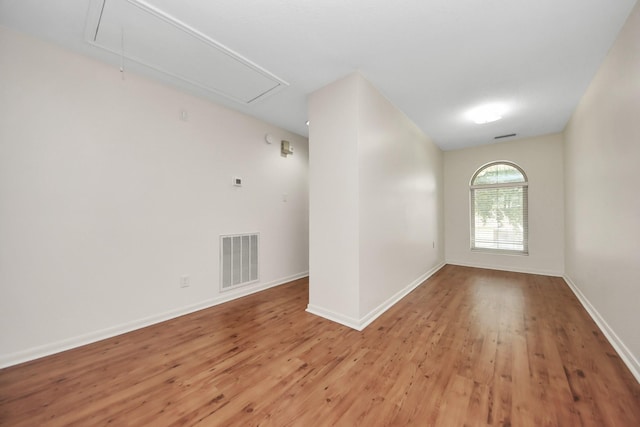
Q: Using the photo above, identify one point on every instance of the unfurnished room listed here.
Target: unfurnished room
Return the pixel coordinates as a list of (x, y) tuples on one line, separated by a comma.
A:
[(319, 213)]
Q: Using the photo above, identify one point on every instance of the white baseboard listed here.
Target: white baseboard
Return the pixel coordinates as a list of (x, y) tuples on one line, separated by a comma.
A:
[(70, 343), (351, 322), (363, 322), (379, 310), (623, 351), (507, 268)]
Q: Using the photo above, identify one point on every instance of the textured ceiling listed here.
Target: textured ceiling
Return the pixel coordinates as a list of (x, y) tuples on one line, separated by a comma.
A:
[(434, 59)]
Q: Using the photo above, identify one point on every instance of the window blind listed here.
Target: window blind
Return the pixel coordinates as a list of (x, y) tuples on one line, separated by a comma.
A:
[(499, 209)]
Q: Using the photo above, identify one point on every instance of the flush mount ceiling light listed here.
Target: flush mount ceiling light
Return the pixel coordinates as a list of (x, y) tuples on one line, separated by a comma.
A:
[(486, 113)]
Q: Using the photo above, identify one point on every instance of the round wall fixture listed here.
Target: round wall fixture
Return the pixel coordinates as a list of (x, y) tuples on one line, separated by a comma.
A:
[(269, 138)]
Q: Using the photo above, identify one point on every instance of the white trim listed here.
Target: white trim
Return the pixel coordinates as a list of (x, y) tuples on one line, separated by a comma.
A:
[(363, 322), (541, 272), (623, 351), (351, 322), (91, 337), (498, 162), (386, 305), (506, 185), (499, 251)]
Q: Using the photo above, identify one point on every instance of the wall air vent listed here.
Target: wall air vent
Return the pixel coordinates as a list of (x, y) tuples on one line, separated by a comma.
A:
[(238, 260), (140, 32), (504, 136)]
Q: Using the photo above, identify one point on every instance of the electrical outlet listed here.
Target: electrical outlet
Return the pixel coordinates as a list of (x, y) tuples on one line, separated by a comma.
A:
[(185, 281)]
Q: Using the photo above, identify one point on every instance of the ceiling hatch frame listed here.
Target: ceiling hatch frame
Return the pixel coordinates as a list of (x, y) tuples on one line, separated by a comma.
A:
[(118, 26)]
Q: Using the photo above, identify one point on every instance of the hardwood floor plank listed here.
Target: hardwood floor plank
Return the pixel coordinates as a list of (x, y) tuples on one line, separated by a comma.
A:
[(469, 347)]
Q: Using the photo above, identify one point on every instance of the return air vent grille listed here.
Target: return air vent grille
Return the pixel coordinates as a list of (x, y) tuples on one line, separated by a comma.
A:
[(140, 32), (238, 260)]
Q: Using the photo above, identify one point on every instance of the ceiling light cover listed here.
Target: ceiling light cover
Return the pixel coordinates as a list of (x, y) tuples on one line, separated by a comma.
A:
[(487, 113)]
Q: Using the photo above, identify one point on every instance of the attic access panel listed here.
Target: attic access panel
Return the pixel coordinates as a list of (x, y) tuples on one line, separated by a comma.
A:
[(142, 33)]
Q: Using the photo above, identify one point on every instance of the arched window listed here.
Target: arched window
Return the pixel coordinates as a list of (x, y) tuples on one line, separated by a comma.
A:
[(499, 218)]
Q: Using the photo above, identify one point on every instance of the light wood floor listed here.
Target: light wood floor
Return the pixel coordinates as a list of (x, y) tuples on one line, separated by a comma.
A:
[(469, 347)]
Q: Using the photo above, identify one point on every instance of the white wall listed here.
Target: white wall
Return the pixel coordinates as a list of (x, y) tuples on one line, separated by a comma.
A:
[(400, 199), (107, 197), (541, 159), (375, 202), (333, 203), (602, 155)]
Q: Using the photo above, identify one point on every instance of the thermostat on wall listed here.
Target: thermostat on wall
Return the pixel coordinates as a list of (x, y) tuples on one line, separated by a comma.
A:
[(237, 181)]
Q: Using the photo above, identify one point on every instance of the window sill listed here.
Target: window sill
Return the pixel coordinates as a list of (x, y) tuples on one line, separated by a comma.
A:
[(500, 251)]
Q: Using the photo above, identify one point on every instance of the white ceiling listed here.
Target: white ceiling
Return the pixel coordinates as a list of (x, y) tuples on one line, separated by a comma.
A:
[(434, 59)]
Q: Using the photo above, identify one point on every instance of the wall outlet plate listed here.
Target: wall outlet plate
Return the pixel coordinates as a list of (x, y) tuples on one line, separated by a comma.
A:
[(185, 281)]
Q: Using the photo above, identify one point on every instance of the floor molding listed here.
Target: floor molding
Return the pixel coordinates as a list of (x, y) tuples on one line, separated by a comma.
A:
[(363, 322), (552, 273), (378, 311), (623, 351), (33, 353), (350, 322)]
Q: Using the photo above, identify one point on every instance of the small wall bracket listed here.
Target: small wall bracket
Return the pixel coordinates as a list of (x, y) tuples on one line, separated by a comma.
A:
[(286, 148)]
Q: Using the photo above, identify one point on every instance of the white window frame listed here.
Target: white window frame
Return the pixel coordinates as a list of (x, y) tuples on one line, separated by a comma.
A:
[(525, 208)]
